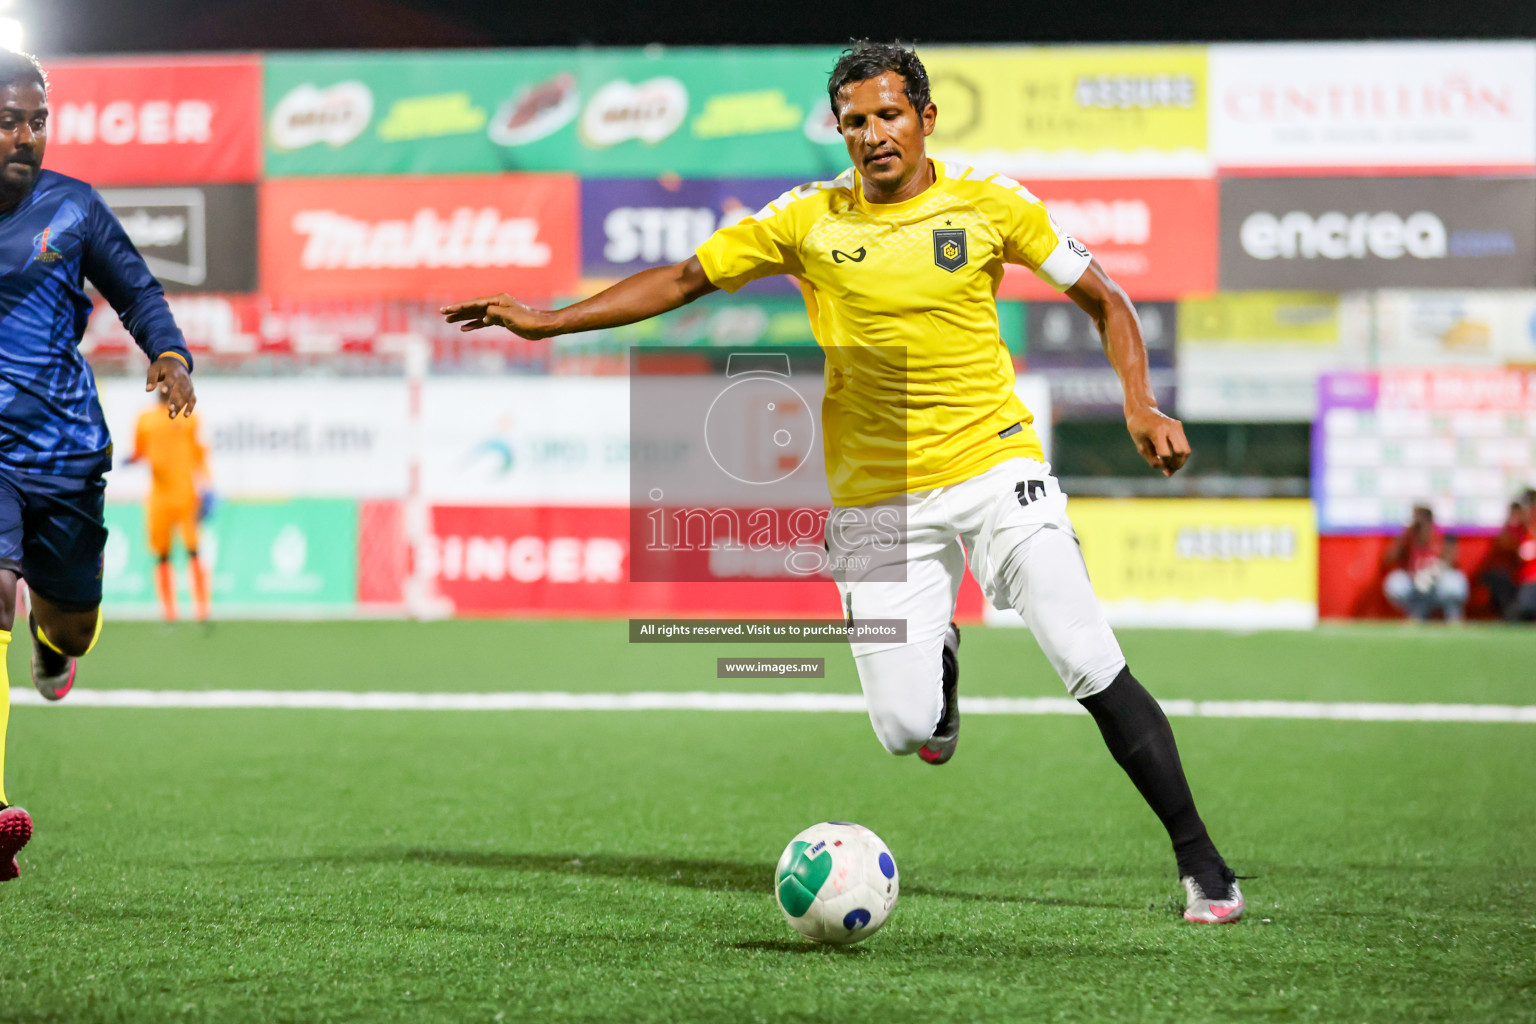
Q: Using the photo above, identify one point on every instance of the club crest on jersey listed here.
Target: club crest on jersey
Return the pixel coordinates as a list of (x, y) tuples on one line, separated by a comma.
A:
[(46, 251), (949, 248)]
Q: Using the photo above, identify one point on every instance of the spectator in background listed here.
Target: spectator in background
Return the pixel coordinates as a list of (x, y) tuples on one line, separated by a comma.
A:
[(1522, 606), (1422, 574), (1501, 570)]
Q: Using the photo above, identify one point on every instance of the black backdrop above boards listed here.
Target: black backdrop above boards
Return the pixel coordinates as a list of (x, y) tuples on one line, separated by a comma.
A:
[(111, 26)]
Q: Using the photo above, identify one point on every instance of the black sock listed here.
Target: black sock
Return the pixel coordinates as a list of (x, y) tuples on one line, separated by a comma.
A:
[(1141, 740)]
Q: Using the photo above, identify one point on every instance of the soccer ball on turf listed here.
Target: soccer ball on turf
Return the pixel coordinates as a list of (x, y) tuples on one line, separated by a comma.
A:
[(836, 883)]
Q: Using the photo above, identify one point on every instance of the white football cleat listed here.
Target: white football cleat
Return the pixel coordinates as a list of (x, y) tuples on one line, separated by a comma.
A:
[(1212, 897)]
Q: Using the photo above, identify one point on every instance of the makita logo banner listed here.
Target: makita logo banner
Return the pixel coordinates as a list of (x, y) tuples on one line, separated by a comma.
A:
[(420, 237), (464, 238), (1340, 233), (160, 121)]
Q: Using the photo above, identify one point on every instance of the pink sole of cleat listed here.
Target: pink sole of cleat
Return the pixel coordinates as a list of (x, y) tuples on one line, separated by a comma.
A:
[(1227, 915), (69, 683), (15, 830)]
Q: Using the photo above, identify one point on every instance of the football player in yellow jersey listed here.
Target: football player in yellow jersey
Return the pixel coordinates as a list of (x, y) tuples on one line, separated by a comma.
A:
[(900, 258)]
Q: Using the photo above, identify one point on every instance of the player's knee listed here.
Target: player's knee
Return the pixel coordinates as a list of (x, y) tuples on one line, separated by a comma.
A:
[(73, 635), (1398, 587), (903, 731), (1092, 672), (73, 642)]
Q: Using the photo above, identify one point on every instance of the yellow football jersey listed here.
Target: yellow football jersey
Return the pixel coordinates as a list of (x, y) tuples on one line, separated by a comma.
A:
[(903, 298)]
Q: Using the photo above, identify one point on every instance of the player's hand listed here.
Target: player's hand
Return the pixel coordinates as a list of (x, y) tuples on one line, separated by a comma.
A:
[(501, 311), (1159, 438), (169, 376)]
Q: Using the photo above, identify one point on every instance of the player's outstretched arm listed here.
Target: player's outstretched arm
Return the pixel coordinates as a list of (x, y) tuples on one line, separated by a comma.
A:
[(637, 297), (1159, 437)]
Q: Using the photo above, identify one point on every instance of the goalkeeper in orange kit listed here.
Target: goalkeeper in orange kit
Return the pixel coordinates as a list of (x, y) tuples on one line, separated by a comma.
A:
[(178, 498)]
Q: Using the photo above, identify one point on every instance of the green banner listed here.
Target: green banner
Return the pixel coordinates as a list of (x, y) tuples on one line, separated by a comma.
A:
[(597, 113), (262, 556)]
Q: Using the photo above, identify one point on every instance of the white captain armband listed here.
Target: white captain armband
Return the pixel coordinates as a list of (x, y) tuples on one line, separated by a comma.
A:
[(1065, 264)]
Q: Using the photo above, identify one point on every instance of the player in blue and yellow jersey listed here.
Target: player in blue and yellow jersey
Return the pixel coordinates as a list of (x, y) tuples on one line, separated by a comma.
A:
[(900, 259), (56, 233)]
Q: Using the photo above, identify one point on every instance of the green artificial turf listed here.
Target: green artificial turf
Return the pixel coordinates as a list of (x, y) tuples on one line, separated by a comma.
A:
[(313, 866), (1475, 664)]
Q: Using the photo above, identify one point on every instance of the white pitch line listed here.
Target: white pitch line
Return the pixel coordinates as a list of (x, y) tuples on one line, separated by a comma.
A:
[(342, 700)]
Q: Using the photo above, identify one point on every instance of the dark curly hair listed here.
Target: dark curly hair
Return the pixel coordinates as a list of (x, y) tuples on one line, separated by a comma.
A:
[(864, 60), (17, 67)]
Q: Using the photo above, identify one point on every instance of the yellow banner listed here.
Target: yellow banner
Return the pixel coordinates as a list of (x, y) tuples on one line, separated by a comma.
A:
[(1309, 318), (1088, 99), (1200, 552)]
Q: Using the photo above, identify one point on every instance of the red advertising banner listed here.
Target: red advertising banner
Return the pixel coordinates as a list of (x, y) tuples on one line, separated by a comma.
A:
[(1156, 237), (237, 325), (420, 237), (160, 121), (504, 560), (569, 561)]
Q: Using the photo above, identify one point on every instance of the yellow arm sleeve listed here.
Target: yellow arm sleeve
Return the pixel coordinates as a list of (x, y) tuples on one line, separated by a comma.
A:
[(762, 245), (1031, 237)]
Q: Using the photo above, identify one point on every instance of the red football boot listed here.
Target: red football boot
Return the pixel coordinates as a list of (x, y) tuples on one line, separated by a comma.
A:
[(15, 830)]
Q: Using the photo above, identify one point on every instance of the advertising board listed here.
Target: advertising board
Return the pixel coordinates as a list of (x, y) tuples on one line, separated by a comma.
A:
[(1462, 441), (419, 238), (1454, 327), (1065, 349), (279, 437), (1387, 108), (1201, 563), (156, 120), (195, 238), (1071, 112), (1156, 238), (527, 441), (1255, 356), (629, 224), (597, 113), (262, 558), (1337, 234)]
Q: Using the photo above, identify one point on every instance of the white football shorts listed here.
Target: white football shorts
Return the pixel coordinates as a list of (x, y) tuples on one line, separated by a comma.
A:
[(1010, 524)]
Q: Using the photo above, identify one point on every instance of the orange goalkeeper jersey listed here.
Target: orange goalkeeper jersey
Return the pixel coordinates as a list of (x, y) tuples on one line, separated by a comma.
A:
[(177, 459)]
